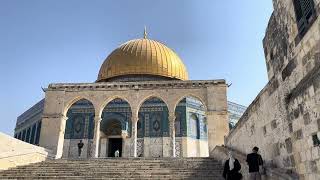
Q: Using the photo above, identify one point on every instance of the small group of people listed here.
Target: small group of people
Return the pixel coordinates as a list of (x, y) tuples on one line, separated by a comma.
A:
[(232, 166)]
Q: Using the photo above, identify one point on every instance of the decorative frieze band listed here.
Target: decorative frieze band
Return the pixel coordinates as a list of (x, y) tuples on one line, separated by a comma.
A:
[(133, 85)]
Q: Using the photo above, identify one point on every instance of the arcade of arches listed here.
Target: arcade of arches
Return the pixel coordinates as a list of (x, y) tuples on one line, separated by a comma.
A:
[(153, 129)]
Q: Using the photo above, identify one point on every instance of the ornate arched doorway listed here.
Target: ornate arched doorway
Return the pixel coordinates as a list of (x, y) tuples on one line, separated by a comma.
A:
[(115, 128)]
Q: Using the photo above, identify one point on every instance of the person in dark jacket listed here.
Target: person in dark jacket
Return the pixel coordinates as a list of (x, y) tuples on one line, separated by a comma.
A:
[(232, 168), (255, 163), (80, 146)]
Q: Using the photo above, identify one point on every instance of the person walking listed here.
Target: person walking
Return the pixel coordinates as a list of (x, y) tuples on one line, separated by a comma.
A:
[(255, 163), (80, 146), (232, 168)]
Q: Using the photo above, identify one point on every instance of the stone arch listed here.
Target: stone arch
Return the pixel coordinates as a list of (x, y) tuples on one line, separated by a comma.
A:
[(110, 99), (147, 98), (73, 101), (193, 96), (153, 113), (120, 115), (79, 125), (113, 127), (115, 113)]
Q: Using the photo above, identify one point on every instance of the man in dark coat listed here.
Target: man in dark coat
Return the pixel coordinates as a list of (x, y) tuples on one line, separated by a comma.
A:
[(255, 163), (231, 169), (80, 146)]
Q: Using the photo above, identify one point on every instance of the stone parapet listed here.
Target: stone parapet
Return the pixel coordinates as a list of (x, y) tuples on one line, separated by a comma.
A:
[(14, 152), (133, 85)]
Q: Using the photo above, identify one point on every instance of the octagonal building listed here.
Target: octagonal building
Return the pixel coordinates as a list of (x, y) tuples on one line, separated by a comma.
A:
[(141, 104)]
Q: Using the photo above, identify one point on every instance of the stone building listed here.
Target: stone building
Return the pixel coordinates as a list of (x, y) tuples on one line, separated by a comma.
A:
[(142, 104), (284, 119)]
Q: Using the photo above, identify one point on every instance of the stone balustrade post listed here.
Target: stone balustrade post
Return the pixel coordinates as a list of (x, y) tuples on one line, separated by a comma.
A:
[(96, 138), (134, 135), (172, 119)]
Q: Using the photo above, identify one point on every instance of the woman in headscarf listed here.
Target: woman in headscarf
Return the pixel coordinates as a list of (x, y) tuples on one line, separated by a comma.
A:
[(232, 168)]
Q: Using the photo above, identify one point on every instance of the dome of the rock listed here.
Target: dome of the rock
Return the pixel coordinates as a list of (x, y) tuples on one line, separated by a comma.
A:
[(145, 58)]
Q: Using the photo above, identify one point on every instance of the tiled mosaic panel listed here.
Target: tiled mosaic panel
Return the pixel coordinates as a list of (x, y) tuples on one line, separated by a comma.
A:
[(178, 147), (153, 119), (140, 147)]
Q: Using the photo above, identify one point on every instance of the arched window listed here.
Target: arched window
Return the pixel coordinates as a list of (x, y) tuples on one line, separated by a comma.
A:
[(19, 135), (195, 126), (23, 135), (177, 124), (28, 135), (305, 15), (33, 132), (38, 133)]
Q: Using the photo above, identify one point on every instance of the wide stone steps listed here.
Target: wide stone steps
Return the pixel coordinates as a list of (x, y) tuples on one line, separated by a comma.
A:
[(119, 168)]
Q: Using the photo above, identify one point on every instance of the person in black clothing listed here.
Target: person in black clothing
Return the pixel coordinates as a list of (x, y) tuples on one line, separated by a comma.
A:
[(80, 145), (255, 163), (231, 169)]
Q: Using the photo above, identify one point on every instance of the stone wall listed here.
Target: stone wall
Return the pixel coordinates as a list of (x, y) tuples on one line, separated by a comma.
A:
[(284, 119), (70, 148), (14, 152), (149, 147)]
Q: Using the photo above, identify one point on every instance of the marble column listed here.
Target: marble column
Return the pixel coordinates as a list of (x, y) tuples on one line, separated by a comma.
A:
[(134, 135), (172, 119), (96, 138)]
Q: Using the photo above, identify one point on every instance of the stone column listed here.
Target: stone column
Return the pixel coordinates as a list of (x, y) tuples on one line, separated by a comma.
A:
[(96, 138), (52, 133), (134, 135), (217, 116), (172, 119), (218, 128)]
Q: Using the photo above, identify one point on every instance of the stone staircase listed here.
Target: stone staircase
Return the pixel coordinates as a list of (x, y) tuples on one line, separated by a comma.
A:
[(119, 168)]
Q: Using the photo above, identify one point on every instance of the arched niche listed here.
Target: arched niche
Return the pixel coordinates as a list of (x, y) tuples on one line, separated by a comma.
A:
[(117, 111), (153, 116), (153, 126), (191, 118), (191, 124), (79, 126)]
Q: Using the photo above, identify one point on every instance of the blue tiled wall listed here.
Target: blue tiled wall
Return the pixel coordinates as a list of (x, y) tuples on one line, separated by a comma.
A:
[(153, 119)]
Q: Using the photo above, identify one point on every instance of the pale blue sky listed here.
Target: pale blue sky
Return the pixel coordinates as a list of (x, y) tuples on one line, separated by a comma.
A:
[(43, 42)]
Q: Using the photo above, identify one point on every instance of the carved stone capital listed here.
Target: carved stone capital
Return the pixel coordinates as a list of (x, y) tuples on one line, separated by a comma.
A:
[(134, 119), (97, 119), (172, 117)]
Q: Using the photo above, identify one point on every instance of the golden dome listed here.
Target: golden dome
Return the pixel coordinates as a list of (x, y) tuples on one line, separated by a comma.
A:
[(143, 57)]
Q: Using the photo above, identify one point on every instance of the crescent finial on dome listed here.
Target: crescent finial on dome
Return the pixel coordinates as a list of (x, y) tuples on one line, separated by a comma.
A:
[(145, 32)]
